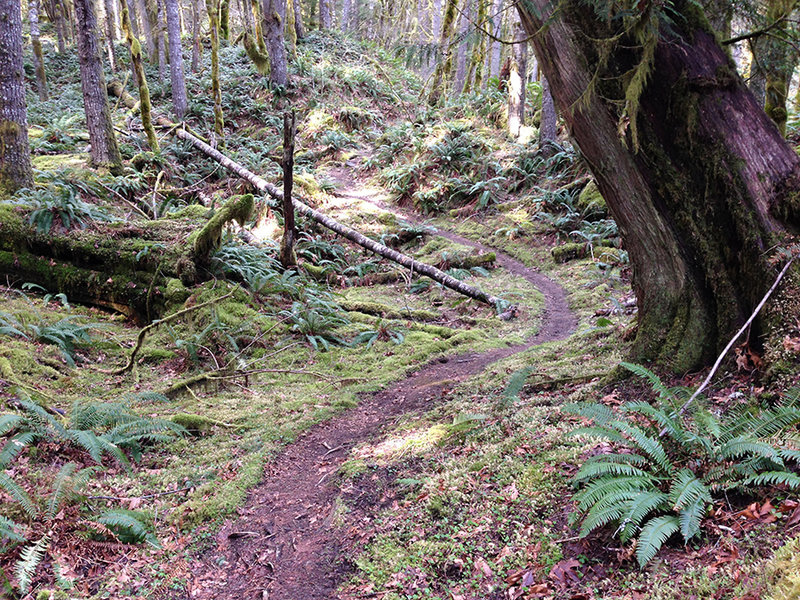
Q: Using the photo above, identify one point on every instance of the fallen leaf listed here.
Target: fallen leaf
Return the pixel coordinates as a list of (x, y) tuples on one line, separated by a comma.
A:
[(481, 566)]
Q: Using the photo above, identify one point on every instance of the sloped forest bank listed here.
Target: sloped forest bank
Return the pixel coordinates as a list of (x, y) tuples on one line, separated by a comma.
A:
[(346, 428)]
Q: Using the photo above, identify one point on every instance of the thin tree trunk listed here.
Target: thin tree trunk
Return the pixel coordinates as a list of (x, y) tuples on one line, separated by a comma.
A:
[(461, 53), (150, 22), (58, 7), (179, 101), (516, 83), (141, 80), (778, 62), (496, 49), (712, 188), (197, 6), (346, 9), (132, 16), (15, 158), (288, 256), (212, 7), (274, 20), (324, 14), (38, 59), (289, 29), (298, 19), (548, 128), (161, 39), (444, 66), (225, 20), (110, 33), (104, 150)]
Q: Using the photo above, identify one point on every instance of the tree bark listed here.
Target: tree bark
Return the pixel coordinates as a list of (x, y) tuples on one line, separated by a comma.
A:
[(461, 51), (274, 15), (161, 40), (141, 81), (225, 20), (133, 16), (324, 15), (212, 7), (288, 256), (548, 128), (709, 191), (111, 33), (196, 8), (299, 28), (444, 65), (179, 101), (516, 82), (36, 43), (150, 22), (104, 151), (15, 159)]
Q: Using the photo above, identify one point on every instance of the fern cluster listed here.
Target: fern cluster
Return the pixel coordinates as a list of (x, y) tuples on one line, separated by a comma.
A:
[(667, 468)]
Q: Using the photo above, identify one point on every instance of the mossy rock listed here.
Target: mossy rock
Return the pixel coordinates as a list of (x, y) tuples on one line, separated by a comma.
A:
[(388, 219), (567, 252), (591, 202), (195, 424)]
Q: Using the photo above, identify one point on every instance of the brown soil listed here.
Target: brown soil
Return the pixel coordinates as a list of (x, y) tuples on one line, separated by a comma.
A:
[(284, 546)]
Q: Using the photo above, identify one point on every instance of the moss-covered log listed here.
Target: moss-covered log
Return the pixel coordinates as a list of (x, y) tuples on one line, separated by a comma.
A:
[(699, 180)]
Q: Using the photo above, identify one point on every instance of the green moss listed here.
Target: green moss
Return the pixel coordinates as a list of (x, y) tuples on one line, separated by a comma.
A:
[(176, 292), (591, 201), (194, 424), (260, 59), (194, 212), (783, 572), (209, 238)]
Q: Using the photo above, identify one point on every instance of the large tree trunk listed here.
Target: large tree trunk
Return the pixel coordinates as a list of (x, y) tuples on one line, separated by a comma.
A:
[(15, 159), (104, 151), (274, 14), (709, 191), (109, 23), (444, 65), (324, 14), (179, 101), (548, 126)]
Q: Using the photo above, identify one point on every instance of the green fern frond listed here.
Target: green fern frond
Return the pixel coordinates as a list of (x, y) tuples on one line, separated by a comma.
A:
[(786, 478), (748, 446), (637, 509), (144, 430), (653, 536), (690, 518), (68, 483), (14, 446), (10, 422), (8, 530), (664, 420), (28, 561), (599, 413), (596, 468), (602, 433), (20, 495), (687, 489), (649, 445), (600, 488), (655, 381), (601, 515), (126, 524)]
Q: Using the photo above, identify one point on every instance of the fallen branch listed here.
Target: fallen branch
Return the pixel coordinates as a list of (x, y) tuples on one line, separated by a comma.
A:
[(145, 330), (264, 186), (727, 348)]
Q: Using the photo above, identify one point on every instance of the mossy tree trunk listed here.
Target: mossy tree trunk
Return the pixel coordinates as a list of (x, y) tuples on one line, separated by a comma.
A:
[(197, 7), (104, 151), (290, 31), (299, 28), (710, 191), (141, 80), (778, 62), (444, 66), (288, 256), (212, 7), (109, 24), (15, 158), (179, 101), (161, 39), (225, 20), (36, 43)]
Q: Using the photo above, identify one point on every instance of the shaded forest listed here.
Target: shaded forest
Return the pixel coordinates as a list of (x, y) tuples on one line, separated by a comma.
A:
[(458, 299)]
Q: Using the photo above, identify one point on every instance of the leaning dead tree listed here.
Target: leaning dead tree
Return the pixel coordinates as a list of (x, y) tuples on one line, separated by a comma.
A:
[(304, 209)]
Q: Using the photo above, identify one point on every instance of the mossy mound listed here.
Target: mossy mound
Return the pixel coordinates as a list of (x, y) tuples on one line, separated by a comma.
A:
[(591, 202), (783, 572)]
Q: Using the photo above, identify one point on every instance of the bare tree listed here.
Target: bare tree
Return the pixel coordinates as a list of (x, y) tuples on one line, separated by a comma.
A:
[(274, 14), (15, 158), (516, 82)]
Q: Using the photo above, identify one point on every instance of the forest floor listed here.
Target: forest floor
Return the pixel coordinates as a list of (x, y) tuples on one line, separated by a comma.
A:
[(286, 543)]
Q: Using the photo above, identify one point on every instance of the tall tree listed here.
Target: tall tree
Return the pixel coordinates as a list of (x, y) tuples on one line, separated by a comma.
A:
[(104, 150), (225, 20), (548, 125), (15, 158), (700, 181), (109, 21), (325, 14), (299, 28), (161, 39), (444, 65), (179, 101), (778, 61), (212, 7), (141, 80), (516, 82), (197, 7), (36, 43), (274, 13)]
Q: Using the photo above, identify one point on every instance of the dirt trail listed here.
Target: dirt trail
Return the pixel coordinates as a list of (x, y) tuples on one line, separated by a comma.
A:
[(283, 546)]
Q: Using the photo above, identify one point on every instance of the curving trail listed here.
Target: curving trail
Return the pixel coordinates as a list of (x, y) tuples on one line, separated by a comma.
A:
[(283, 546)]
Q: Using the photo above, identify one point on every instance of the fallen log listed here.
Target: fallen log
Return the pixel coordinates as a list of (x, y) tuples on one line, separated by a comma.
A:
[(116, 88)]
